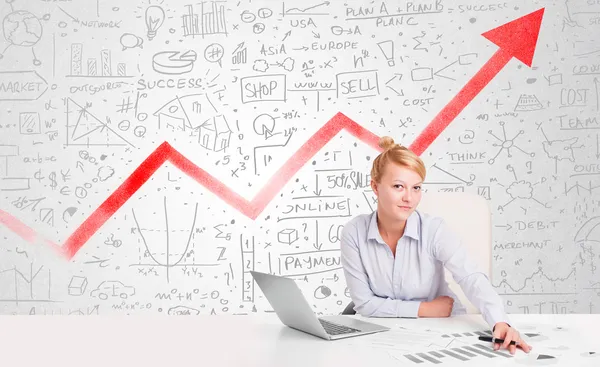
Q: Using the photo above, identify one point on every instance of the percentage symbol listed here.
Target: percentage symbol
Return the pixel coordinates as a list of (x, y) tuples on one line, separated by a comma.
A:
[(346, 181)]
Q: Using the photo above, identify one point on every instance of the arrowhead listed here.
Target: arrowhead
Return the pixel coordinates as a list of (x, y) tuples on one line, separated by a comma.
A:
[(317, 192), (518, 37)]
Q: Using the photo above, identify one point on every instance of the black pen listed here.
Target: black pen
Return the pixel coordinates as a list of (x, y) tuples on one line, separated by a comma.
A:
[(495, 340)]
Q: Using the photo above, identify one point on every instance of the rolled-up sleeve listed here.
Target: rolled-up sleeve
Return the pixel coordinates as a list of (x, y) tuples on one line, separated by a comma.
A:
[(366, 303), (448, 248)]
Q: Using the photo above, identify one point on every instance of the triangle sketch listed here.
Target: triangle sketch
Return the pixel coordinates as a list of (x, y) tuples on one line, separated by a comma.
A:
[(85, 129)]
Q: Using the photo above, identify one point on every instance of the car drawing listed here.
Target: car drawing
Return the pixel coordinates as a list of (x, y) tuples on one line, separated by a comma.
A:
[(112, 288)]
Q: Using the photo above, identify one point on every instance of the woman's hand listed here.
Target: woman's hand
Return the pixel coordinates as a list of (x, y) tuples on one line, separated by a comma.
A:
[(504, 331), (439, 307)]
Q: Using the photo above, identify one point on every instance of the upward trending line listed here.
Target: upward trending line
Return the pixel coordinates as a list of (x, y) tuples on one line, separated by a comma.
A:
[(165, 152), (516, 39)]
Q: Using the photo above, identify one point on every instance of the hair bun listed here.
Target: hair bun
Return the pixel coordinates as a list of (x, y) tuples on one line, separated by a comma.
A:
[(387, 142)]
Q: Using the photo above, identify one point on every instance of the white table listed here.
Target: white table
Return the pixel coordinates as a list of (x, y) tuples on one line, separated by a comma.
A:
[(261, 340)]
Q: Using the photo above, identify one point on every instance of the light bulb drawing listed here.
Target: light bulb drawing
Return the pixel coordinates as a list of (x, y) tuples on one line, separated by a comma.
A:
[(155, 16)]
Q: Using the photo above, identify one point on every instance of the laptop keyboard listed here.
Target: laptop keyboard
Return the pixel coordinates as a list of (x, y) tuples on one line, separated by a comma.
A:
[(337, 329)]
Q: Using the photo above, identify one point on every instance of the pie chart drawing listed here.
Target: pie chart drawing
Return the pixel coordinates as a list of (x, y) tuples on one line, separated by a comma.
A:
[(174, 62), (68, 214), (322, 292), (264, 125)]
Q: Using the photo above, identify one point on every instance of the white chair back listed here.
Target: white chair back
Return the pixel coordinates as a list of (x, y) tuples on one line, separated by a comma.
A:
[(468, 215)]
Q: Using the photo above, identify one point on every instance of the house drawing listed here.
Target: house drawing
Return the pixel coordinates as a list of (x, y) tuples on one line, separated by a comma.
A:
[(214, 133), (196, 113)]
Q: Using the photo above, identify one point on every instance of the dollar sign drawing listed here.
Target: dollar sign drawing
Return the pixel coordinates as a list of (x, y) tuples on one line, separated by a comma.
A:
[(52, 178)]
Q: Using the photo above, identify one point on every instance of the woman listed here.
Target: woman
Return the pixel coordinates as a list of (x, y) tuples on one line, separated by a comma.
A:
[(394, 258)]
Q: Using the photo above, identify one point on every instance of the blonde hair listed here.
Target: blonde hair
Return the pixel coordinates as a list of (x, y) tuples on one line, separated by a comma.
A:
[(397, 154)]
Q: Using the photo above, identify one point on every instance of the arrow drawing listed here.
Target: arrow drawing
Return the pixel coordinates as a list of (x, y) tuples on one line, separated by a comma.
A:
[(515, 39), (317, 245), (317, 191)]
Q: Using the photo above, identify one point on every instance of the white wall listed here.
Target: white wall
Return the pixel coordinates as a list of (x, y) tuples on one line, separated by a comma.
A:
[(86, 97)]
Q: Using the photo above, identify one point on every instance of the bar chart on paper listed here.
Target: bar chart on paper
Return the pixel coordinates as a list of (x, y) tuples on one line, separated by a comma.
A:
[(410, 346), (463, 353), (471, 334), (457, 349), (434, 346), (481, 333), (478, 354)]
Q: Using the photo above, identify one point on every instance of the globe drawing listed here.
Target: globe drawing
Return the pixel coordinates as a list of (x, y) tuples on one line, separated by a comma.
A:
[(21, 28)]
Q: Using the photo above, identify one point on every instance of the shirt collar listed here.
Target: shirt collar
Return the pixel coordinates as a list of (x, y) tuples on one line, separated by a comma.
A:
[(412, 229)]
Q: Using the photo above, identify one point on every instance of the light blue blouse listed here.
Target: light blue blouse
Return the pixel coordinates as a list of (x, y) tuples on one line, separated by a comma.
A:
[(382, 285)]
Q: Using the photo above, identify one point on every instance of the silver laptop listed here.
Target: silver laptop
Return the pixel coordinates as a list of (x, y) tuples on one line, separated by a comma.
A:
[(293, 310)]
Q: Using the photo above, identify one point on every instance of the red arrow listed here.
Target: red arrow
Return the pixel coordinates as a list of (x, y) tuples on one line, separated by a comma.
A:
[(516, 39)]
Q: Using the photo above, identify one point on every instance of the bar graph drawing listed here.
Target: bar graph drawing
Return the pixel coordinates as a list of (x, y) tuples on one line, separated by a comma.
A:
[(94, 67), (20, 287), (210, 21), (464, 353), (481, 333), (239, 55), (472, 333)]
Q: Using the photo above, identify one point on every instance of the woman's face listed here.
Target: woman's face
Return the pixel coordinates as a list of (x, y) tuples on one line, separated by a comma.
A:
[(398, 193)]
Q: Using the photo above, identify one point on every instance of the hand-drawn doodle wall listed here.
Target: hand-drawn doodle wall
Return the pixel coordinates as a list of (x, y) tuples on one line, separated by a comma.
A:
[(152, 152)]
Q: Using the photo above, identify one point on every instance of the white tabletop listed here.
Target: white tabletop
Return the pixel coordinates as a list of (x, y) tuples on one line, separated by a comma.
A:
[(261, 340)]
